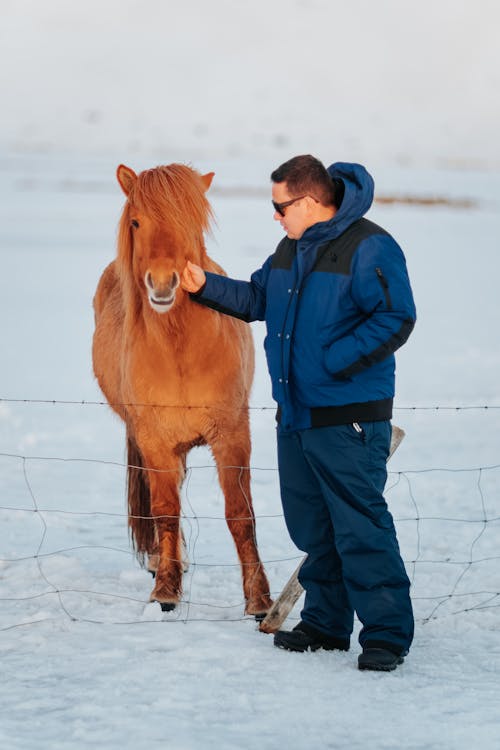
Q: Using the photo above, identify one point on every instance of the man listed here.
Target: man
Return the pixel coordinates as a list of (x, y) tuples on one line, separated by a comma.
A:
[(337, 303)]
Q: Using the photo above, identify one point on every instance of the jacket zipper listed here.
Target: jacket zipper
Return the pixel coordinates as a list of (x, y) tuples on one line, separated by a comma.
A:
[(385, 287), (282, 335)]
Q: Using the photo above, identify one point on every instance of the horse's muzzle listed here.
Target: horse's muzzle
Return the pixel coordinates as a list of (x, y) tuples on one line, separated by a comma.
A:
[(161, 294)]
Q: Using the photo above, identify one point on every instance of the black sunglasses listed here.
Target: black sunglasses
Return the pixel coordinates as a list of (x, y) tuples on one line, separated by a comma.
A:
[(280, 207)]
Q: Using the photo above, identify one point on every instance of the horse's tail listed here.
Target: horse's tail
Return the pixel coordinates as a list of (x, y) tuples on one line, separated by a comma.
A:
[(141, 524)]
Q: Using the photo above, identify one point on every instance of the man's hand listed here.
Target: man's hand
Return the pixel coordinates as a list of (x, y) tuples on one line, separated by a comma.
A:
[(193, 277)]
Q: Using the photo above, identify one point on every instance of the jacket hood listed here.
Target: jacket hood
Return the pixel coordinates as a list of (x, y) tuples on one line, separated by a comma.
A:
[(358, 198), (359, 187)]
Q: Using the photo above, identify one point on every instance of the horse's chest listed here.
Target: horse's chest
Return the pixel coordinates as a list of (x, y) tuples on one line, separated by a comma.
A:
[(160, 375), (169, 374)]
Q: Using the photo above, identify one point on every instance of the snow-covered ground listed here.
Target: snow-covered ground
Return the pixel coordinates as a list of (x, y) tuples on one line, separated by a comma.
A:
[(408, 89), (87, 661)]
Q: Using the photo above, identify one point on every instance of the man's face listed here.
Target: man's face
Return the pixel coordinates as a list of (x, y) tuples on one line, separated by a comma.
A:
[(298, 216)]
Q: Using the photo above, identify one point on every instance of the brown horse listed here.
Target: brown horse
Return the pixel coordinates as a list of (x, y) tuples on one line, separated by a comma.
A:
[(177, 373)]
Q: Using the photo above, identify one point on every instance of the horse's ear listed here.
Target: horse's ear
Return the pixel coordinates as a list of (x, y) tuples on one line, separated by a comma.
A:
[(207, 179), (126, 177)]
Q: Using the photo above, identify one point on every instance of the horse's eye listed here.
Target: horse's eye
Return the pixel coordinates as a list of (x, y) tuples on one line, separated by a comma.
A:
[(135, 223)]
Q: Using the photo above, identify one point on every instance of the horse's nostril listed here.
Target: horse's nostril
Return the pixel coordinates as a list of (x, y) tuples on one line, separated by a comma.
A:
[(149, 280), (175, 280)]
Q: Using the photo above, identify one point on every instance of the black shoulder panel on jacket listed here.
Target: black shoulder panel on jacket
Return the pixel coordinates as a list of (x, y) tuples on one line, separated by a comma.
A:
[(336, 256), (284, 254)]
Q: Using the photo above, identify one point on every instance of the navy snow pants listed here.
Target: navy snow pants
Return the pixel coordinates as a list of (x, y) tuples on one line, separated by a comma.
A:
[(332, 481)]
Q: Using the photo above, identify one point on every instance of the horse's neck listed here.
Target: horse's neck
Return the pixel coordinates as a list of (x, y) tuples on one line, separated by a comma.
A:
[(141, 320)]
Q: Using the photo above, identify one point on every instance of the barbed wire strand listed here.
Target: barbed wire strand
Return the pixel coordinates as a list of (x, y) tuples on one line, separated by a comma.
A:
[(89, 402)]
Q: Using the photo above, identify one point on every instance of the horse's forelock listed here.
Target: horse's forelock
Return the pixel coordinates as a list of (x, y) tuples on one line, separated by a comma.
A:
[(173, 194)]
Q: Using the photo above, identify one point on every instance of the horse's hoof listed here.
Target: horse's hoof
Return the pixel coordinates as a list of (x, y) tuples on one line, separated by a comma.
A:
[(167, 606), (260, 616)]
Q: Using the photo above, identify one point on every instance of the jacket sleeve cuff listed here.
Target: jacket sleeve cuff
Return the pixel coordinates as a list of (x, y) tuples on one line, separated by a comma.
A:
[(199, 293)]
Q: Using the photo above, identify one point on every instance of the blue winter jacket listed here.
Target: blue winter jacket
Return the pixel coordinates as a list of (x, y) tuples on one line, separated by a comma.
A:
[(337, 304)]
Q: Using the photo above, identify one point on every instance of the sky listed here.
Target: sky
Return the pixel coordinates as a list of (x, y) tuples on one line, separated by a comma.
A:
[(386, 82)]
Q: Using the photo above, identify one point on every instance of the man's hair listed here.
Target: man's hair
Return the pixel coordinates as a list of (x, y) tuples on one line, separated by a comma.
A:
[(306, 175)]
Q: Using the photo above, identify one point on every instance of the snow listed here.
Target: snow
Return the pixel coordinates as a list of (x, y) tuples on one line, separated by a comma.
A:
[(87, 661)]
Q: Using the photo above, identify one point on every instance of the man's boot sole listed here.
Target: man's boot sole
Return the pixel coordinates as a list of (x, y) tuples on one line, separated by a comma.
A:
[(374, 667), (296, 648)]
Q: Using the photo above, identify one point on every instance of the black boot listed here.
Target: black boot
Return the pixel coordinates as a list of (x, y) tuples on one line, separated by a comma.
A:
[(305, 637), (380, 659)]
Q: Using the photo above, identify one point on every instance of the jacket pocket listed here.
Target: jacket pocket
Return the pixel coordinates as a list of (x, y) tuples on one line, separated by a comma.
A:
[(385, 287)]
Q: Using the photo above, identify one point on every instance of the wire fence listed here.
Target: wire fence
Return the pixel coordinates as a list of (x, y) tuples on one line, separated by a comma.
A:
[(88, 402), (451, 557)]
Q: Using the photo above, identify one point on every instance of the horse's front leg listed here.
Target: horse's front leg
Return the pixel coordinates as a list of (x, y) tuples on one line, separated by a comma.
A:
[(232, 455), (164, 485), (153, 559)]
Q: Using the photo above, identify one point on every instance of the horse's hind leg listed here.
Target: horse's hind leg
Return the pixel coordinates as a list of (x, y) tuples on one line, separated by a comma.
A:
[(232, 456)]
